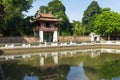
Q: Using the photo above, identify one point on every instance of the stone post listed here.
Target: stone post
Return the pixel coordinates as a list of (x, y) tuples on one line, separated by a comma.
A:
[(98, 38), (92, 35), (55, 38), (41, 36)]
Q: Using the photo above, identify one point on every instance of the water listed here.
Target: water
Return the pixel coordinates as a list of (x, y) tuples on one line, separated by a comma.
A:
[(32, 77), (99, 64), (77, 73)]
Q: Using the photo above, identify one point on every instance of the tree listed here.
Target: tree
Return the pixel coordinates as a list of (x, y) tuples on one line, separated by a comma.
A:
[(78, 28), (19, 27), (106, 9), (43, 9), (58, 9), (89, 16), (12, 9), (107, 23), (1, 11)]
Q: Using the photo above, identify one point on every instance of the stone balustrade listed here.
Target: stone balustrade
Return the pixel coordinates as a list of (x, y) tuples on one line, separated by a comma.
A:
[(20, 45)]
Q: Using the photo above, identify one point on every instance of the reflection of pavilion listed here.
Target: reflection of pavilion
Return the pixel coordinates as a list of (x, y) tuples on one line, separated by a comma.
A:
[(54, 55), (45, 27), (95, 53), (92, 52)]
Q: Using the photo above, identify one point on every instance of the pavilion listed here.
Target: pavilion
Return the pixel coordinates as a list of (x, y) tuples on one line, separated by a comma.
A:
[(45, 27)]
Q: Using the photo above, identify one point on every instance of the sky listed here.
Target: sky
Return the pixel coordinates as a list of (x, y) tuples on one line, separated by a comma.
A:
[(76, 8)]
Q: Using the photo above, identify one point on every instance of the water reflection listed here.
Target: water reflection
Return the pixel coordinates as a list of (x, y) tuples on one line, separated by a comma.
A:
[(118, 78), (92, 52), (77, 73), (30, 77), (90, 64), (111, 70)]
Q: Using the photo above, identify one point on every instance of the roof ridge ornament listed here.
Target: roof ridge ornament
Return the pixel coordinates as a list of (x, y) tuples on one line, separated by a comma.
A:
[(38, 14), (50, 12), (44, 11)]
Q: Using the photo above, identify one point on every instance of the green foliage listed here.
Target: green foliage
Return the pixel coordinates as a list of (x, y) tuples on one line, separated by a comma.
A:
[(58, 9), (107, 23), (1, 11), (89, 16), (78, 28), (110, 70), (24, 27), (65, 33), (56, 6), (11, 23), (43, 9), (106, 9), (15, 7), (20, 26)]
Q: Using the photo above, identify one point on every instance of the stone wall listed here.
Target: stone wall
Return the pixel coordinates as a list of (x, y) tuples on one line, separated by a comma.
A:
[(18, 39), (36, 39), (73, 38)]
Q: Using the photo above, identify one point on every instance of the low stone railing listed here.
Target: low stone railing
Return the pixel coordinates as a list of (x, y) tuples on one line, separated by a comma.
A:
[(20, 45)]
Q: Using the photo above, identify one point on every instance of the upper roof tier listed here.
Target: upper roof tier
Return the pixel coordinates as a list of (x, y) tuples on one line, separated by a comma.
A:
[(46, 17)]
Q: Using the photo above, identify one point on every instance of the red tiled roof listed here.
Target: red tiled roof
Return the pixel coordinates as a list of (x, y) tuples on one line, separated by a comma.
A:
[(48, 19), (47, 15)]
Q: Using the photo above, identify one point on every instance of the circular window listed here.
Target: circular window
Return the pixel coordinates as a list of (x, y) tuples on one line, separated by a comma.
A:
[(47, 24)]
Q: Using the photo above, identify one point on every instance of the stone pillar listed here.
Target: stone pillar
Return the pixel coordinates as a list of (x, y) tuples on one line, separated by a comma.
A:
[(98, 38), (92, 37), (55, 38), (41, 36)]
